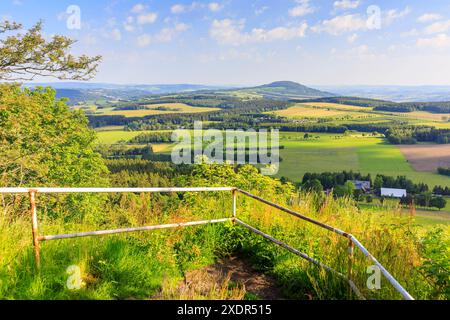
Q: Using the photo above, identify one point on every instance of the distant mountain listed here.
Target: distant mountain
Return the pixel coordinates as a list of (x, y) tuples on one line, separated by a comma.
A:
[(394, 93), (148, 88), (82, 92), (287, 90)]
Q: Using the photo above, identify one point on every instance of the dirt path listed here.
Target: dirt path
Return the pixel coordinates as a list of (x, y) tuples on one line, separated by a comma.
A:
[(231, 278)]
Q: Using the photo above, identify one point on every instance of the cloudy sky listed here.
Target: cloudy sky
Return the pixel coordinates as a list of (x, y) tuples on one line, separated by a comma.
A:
[(247, 42)]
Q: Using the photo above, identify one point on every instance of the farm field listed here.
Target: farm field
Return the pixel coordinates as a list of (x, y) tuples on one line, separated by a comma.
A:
[(328, 152), (427, 157), (342, 114), (430, 218), (336, 106), (336, 153), (303, 110), (114, 136), (422, 115), (155, 109)]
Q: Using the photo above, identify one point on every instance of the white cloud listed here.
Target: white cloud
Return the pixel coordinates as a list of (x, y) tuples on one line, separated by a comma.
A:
[(438, 27), (429, 17), (144, 40), (147, 18), (163, 36), (230, 32), (411, 33), (116, 34), (89, 40), (303, 8), (361, 50), (138, 8), (215, 6), (439, 41), (261, 10), (341, 24), (128, 25), (182, 8), (394, 14), (62, 16), (177, 8), (352, 38), (346, 4)]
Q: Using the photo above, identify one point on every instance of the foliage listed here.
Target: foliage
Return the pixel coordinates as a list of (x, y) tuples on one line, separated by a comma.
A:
[(24, 56), (444, 171), (436, 265), (44, 142), (150, 137)]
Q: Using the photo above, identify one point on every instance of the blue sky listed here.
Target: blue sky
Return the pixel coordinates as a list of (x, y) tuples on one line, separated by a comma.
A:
[(246, 42)]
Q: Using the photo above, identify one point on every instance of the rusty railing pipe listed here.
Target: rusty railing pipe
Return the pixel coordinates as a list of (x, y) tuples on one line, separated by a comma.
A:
[(35, 231)]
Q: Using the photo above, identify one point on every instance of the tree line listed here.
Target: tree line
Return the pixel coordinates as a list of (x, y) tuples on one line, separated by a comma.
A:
[(330, 180), (444, 171)]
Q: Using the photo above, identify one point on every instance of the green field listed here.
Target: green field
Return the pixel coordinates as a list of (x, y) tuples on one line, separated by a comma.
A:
[(114, 136), (336, 153), (326, 152), (432, 218), (342, 114), (154, 109)]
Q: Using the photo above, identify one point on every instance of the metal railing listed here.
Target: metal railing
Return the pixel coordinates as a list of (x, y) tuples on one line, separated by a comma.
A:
[(352, 241)]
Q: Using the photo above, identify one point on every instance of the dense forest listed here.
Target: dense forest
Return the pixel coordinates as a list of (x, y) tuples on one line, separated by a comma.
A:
[(330, 180), (342, 186), (444, 171)]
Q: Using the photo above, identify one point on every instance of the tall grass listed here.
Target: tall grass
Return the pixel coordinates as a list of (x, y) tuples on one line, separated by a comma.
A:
[(152, 264)]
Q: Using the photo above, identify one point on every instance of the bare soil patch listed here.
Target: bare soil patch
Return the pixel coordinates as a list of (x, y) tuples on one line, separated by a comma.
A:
[(427, 158), (231, 278)]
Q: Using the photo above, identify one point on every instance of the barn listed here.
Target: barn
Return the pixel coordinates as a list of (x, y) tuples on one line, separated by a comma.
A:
[(393, 193)]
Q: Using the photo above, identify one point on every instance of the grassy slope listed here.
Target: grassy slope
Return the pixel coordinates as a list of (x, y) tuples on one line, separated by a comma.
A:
[(114, 136), (357, 153), (355, 113), (151, 110), (328, 153)]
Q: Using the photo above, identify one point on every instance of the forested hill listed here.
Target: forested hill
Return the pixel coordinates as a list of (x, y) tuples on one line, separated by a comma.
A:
[(286, 90), (80, 93)]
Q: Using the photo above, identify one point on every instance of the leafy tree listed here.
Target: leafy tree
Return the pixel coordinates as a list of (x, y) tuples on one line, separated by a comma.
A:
[(23, 56), (378, 184), (438, 202), (436, 265), (313, 186), (358, 194), (45, 143), (349, 188)]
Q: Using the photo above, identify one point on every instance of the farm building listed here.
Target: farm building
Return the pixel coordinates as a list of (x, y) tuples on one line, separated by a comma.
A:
[(362, 185), (394, 193)]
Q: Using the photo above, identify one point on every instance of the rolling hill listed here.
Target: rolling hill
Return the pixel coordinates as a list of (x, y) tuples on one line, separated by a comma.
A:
[(78, 92), (288, 90)]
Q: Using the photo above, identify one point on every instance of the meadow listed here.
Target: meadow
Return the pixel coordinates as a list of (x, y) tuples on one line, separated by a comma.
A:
[(355, 152), (341, 114), (326, 152), (156, 264), (154, 109)]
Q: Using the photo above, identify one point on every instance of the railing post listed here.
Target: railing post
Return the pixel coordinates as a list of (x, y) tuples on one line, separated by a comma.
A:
[(234, 193), (35, 228), (351, 247)]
